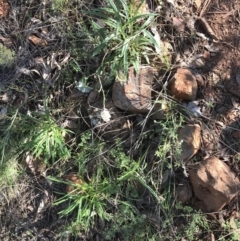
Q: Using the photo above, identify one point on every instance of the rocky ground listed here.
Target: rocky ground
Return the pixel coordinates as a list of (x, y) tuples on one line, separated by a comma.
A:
[(201, 44)]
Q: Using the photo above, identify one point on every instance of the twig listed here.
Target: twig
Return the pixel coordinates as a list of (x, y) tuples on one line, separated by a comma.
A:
[(204, 8)]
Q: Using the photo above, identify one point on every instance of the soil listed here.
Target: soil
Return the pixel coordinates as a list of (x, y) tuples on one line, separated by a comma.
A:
[(218, 71)]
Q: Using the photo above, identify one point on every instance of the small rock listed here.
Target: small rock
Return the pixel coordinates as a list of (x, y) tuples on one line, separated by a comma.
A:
[(209, 139), (190, 136), (193, 107), (214, 183), (37, 41), (4, 8), (134, 95), (179, 24), (198, 3), (93, 96), (184, 85), (183, 192), (160, 110)]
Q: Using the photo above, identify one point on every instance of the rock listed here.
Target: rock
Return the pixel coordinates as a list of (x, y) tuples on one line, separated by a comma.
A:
[(214, 183), (160, 110), (190, 136), (107, 121), (209, 139), (184, 85), (183, 192), (134, 95), (179, 24), (93, 96), (37, 41), (4, 8)]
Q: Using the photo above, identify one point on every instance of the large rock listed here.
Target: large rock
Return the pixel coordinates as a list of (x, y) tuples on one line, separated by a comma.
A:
[(134, 95), (214, 183), (190, 137), (184, 85)]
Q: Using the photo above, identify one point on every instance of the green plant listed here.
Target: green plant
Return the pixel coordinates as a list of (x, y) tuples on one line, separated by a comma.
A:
[(7, 135), (108, 189), (46, 137), (60, 4), (197, 224), (35, 132), (7, 56), (125, 39), (170, 146)]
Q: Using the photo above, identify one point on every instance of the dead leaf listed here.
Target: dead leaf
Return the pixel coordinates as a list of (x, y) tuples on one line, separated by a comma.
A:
[(65, 59), (49, 67), (35, 165), (43, 202), (4, 8), (198, 3), (37, 41), (4, 98)]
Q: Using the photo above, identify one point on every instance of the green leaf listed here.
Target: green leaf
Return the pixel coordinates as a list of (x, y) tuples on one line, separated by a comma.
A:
[(102, 45)]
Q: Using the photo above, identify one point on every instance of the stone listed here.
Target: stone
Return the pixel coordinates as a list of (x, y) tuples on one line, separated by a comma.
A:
[(37, 41), (214, 183), (209, 139), (190, 137), (134, 94), (160, 110), (4, 8), (184, 86), (183, 192)]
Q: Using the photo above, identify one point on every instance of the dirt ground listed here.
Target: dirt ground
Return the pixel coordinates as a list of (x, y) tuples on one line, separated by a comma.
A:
[(213, 53)]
